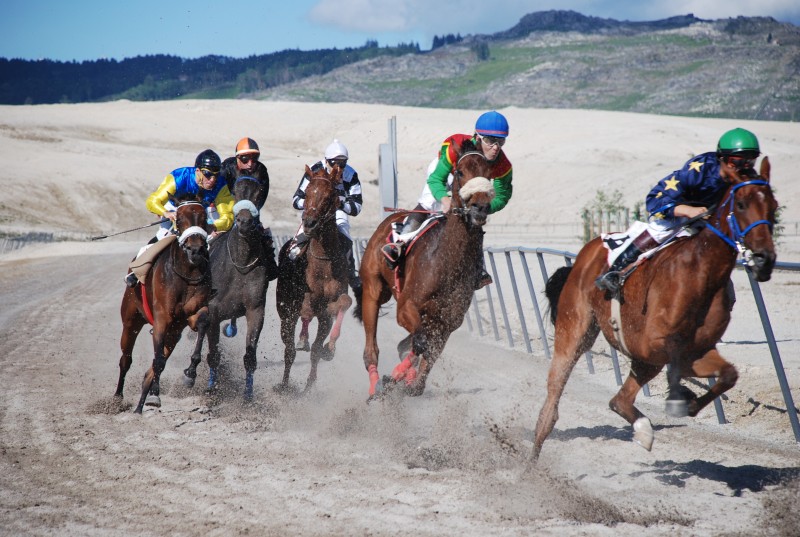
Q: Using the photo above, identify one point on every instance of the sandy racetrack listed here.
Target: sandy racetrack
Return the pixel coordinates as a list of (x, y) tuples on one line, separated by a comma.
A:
[(75, 462)]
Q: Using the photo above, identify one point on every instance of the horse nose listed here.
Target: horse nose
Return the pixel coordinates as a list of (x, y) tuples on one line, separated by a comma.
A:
[(762, 264)]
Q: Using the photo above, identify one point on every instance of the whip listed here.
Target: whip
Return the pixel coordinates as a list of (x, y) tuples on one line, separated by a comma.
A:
[(128, 230)]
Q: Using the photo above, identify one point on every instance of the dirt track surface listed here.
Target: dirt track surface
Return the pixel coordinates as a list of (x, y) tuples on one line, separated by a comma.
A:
[(73, 462)]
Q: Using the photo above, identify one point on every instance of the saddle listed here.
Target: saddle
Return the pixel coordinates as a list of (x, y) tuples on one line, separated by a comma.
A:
[(141, 264), (410, 239)]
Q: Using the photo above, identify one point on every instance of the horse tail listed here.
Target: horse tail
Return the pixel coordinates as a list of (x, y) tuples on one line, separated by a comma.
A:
[(357, 313), (555, 284)]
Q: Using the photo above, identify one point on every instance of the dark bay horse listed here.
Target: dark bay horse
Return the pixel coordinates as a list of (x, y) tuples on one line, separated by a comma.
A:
[(239, 272), (314, 285), (433, 287), (675, 307), (174, 295)]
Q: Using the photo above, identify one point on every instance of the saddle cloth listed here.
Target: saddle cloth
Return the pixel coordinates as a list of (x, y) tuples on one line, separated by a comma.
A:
[(406, 238), (616, 243)]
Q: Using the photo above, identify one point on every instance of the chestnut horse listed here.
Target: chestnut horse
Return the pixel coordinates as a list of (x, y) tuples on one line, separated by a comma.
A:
[(675, 307), (315, 284), (433, 286), (239, 272), (174, 294)]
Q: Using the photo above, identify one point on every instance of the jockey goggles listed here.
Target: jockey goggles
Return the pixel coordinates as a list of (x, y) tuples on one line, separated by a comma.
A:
[(740, 162), (492, 141), (246, 159), (209, 174), (339, 161)]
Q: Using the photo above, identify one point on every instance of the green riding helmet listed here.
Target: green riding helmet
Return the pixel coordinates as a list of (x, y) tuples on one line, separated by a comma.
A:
[(739, 142)]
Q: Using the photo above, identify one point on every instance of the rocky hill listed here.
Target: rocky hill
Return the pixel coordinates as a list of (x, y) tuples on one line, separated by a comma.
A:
[(748, 67)]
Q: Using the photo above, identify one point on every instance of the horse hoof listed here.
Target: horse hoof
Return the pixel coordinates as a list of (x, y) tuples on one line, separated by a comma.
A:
[(153, 400), (643, 433), (188, 382), (327, 354), (677, 408), (302, 345), (229, 330)]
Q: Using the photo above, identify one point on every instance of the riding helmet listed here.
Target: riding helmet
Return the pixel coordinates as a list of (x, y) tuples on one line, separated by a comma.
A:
[(737, 142), (492, 124), (336, 150), (209, 160), (247, 146)]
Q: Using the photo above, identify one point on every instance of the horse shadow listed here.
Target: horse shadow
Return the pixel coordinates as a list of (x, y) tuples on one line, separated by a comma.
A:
[(750, 477)]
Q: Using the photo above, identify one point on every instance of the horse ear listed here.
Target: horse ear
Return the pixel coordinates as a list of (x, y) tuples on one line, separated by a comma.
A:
[(308, 171), (765, 169)]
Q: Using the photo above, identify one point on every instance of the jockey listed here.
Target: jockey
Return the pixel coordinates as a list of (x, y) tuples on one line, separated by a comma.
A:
[(349, 205), (684, 194), (246, 163), (199, 181), (491, 131)]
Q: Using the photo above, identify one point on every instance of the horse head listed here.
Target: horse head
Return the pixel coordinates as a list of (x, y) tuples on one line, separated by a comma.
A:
[(322, 199), (192, 225), (746, 217), (248, 192), (472, 190)]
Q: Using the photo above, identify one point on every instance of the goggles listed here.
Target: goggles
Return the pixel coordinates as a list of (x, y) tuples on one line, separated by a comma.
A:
[(246, 159), (492, 141), (209, 174), (341, 162), (740, 163)]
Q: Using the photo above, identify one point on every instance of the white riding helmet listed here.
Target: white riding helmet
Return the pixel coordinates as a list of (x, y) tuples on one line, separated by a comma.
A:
[(336, 150)]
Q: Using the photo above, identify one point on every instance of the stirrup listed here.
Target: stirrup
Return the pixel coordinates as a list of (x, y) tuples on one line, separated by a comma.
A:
[(391, 252), (610, 281)]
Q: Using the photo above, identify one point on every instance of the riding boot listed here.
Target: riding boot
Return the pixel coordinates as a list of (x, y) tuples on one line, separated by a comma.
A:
[(131, 280), (298, 244), (269, 250), (392, 253), (484, 278), (611, 279), (352, 276)]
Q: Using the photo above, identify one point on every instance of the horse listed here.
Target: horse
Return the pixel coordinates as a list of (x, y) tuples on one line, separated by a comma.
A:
[(674, 309), (174, 295), (433, 287), (314, 285), (239, 273)]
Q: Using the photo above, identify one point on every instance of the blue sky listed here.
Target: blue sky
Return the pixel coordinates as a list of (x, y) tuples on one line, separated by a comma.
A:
[(91, 29)]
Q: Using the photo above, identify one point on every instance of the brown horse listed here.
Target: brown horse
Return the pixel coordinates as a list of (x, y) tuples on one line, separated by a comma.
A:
[(675, 307), (174, 294), (315, 284), (433, 287)]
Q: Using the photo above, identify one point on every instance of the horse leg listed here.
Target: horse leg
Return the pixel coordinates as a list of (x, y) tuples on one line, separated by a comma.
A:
[(712, 364), (159, 362), (153, 397), (341, 305), (255, 323), (213, 356), (302, 340), (202, 325), (641, 373), (369, 317), (130, 331), (676, 405), (318, 351), (289, 352), (404, 347), (571, 341)]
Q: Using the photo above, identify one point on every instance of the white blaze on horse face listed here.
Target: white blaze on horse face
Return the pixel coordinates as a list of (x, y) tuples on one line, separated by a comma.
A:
[(476, 185)]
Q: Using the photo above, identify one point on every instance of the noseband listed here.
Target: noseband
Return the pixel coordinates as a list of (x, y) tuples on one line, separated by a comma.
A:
[(192, 230), (737, 234)]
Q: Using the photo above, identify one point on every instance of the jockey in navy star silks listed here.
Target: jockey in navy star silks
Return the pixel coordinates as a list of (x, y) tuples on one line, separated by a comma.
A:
[(686, 193)]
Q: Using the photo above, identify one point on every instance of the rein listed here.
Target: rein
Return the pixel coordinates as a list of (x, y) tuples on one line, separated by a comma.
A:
[(737, 234), (188, 279), (241, 268)]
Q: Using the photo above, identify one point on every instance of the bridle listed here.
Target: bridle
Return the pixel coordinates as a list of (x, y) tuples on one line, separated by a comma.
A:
[(461, 210), (736, 237)]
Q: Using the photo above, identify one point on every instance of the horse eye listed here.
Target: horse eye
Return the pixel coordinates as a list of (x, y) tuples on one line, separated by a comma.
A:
[(740, 205)]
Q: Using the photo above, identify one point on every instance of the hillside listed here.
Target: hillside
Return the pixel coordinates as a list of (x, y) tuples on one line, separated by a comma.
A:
[(745, 68)]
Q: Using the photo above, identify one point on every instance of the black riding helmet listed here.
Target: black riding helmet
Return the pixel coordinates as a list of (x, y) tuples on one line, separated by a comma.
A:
[(208, 160)]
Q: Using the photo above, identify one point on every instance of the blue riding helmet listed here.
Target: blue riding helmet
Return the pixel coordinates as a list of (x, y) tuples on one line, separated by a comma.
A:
[(492, 124)]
